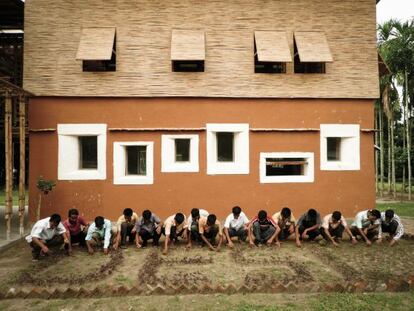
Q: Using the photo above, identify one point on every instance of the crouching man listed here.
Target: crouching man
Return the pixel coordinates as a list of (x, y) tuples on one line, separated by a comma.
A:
[(209, 228), (391, 224), (46, 233), (333, 227), (174, 226), (366, 225), (236, 226), (308, 226), (193, 228), (262, 229), (285, 222), (99, 232), (148, 227), (76, 228), (126, 228)]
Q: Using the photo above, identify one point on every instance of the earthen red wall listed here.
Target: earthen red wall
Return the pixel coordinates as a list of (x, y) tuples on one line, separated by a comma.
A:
[(348, 191)]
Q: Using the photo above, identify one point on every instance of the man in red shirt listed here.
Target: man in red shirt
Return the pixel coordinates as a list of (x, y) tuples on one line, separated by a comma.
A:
[(76, 228)]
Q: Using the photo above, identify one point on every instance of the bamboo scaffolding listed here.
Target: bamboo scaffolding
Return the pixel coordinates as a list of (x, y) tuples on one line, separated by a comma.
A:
[(22, 173), (8, 163)]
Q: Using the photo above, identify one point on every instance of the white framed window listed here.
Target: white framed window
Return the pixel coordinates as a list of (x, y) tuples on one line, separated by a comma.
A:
[(227, 148), (179, 153), (340, 147), (81, 151), (286, 167), (134, 163)]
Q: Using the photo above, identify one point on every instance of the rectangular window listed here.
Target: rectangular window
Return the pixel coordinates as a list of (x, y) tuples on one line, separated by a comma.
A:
[(267, 67), (188, 65), (101, 65), (136, 160), (307, 67), (334, 148), (88, 152), (285, 166), (182, 150), (225, 146)]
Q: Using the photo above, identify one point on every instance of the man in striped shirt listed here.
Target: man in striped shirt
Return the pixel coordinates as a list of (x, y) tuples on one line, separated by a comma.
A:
[(391, 223)]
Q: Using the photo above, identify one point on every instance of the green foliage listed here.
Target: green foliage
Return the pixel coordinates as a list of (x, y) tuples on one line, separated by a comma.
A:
[(45, 185), (401, 209)]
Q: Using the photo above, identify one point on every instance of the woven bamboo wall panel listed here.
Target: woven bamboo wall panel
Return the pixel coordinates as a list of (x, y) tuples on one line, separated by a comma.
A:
[(143, 39)]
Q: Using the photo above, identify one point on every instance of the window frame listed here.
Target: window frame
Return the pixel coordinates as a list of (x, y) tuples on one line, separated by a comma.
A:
[(350, 147), (309, 176), (120, 176), (69, 151), (168, 163), (240, 165)]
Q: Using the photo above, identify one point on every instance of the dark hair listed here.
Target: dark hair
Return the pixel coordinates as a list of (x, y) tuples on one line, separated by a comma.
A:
[(389, 214), (286, 212), (146, 214), (376, 213), (99, 221), (73, 211), (128, 212), (211, 219), (262, 215), (336, 215), (236, 210), (195, 212), (179, 218), (55, 218), (312, 213)]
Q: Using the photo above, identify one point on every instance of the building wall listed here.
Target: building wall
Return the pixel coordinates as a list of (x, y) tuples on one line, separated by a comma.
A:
[(348, 191), (143, 40)]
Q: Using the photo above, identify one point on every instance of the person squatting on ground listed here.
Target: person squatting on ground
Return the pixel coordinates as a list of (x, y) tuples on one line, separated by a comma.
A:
[(76, 228), (193, 229), (148, 227), (262, 229), (99, 232), (47, 233), (208, 229), (391, 224), (308, 226), (126, 228), (333, 227), (175, 226), (236, 226), (286, 224), (366, 225)]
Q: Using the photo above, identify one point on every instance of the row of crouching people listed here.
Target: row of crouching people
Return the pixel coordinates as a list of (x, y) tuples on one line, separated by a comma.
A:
[(202, 228)]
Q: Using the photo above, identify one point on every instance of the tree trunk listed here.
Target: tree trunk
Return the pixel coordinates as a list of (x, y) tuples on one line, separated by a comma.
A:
[(8, 142), (408, 127), (39, 205), (394, 190), (389, 156), (376, 151), (22, 172), (381, 136)]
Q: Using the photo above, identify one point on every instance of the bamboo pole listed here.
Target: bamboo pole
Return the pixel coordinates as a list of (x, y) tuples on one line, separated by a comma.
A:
[(376, 152), (22, 172), (389, 154), (381, 137), (408, 128), (394, 192), (8, 163)]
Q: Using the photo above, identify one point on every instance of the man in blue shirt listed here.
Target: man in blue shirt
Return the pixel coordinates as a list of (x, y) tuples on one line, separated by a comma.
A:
[(99, 232)]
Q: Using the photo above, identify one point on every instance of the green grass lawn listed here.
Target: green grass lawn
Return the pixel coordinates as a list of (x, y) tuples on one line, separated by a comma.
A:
[(401, 209)]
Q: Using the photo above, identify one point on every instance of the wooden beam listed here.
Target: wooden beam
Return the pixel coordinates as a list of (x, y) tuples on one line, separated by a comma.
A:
[(22, 172), (8, 142), (155, 129)]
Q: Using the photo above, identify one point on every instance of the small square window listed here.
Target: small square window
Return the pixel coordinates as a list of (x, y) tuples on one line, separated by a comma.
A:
[(133, 163), (136, 163), (334, 148), (182, 150), (286, 167), (340, 147), (179, 153), (225, 146), (88, 152)]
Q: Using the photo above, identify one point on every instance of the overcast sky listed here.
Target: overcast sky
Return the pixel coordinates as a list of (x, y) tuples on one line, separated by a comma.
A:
[(399, 9)]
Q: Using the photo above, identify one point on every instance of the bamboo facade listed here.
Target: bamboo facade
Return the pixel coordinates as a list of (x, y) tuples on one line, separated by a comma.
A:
[(143, 48)]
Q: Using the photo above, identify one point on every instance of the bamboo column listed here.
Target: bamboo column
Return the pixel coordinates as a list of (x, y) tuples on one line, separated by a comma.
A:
[(22, 172), (8, 162)]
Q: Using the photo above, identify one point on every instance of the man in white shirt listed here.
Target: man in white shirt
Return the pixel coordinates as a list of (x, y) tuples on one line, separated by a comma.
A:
[(174, 226), (193, 219), (236, 226), (391, 223), (367, 224), (98, 232), (333, 227), (46, 233)]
